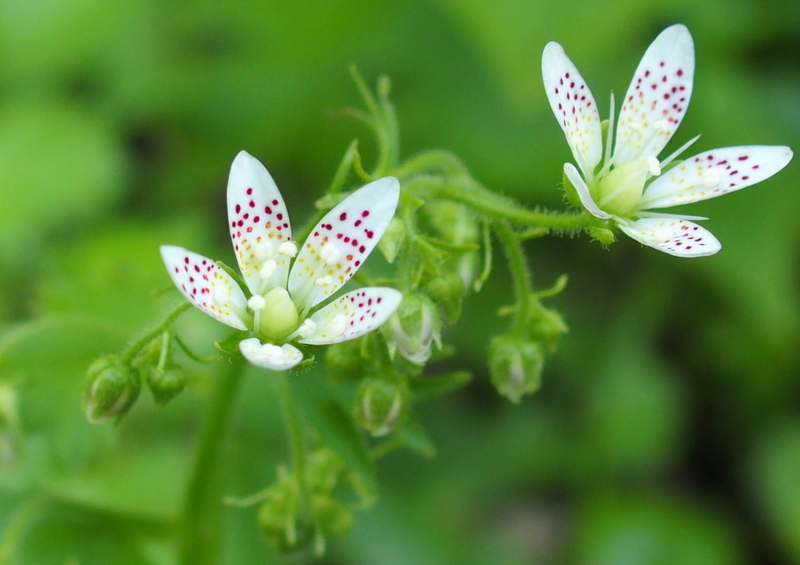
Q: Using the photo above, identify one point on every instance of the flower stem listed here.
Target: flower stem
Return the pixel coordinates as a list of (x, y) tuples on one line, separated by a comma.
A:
[(202, 514), (152, 333), (469, 192), (294, 429), (519, 274)]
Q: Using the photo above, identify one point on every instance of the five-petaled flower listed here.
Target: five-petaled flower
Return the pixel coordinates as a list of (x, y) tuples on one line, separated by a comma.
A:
[(285, 283), (630, 181)]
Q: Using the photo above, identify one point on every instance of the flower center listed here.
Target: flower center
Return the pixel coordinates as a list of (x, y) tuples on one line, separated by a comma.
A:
[(620, 190), (275, 314)]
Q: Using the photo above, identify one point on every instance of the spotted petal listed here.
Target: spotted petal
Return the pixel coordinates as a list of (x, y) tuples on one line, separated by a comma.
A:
[(673, 235), (353, 315), (714, 173), (269, 356), (583, 192), (206, 285), (574, 107), (341, 241), (657, 98), (258, 222)]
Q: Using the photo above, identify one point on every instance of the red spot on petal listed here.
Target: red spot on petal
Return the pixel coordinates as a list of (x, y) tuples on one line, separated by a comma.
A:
[(249, 191), (365, 213)]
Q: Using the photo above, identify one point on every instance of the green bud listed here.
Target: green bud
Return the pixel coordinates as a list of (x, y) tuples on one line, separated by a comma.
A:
[(448, 292), (165, 384), (515, 366), (413, 328), (344, 360), (548, 326), (111, 389), (331, 516), (381, 403), (392, 239), (278, 516), (604, 235), (455, 222)]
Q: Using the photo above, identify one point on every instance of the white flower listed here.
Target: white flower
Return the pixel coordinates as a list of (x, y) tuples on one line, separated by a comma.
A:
[(284, 292), (629, 182)]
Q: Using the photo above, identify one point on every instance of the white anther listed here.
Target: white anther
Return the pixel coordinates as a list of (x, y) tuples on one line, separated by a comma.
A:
[(661, 125), (307, 329), (271, 350), (287, 248), (323, 281), (256, 303), (267, 269), (635, 126), (711, 178), (653, 166), (264, 250), (330, 253), (338, 325), (220, 296)]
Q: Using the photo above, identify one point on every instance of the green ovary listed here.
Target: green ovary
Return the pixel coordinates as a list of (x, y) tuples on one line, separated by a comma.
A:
[(620, 190), (278, 318)]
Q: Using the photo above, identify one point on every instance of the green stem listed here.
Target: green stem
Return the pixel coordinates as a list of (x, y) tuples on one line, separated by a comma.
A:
[(469, 192), (435, 160), (202, 514), (519, 274), (20, 521), (133, 349), (294, 429)]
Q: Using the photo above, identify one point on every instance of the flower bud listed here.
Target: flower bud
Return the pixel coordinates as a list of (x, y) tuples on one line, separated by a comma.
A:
[(448, 292), (604, 235), (382, 403), (331, 516), (165, 384), (278, 516), (392, 239), (111, 389), (515, 366), (413, 328)]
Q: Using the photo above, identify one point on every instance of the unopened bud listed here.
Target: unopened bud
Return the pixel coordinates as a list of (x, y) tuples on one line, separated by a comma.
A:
[(9, 426), (448, 292), (279, 519), (165, 384), (111, 389), (515, 366), (603, 235), (331, 516), (413, 328), (382, 403)]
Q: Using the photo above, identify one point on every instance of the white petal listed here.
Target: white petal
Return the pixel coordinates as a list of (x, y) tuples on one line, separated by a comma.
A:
[(269, 356), (714, 173), (258, 223), (674, 236), (583, 192), (657, 98), (573, 106), (353, 315), (206, 285), (341, 241)]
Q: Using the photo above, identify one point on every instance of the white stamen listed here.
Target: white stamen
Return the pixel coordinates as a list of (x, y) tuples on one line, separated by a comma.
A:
[(330, 253), (338, 325), (287, 248), (256, 303), (264, 250), (220, 296), (661, 125), (307, 329), (653, 166), (323, 281), (711, 178), (267, 269)]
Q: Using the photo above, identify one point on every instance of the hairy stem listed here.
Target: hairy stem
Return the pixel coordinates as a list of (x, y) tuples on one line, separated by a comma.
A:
[(520, 275), (136, 346)]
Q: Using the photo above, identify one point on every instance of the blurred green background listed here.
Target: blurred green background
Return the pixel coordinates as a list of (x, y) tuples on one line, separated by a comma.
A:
[(667, 429)]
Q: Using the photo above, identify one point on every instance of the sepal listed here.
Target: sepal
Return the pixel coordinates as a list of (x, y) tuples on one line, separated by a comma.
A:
[(381, 403), (166, 383)]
